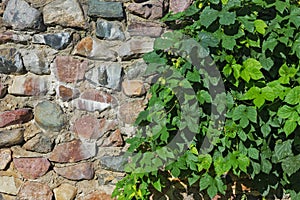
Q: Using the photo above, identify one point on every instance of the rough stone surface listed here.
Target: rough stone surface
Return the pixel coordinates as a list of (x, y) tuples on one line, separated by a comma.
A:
[(150, 29), (15, 117), (76, 172), (90, 127), (136, 70), (109, 30), (32, 168), (8, 185), (73, 151), (21, 16), (135, 47), (37, 60), (70, 70), (5, 158), (11, 137), (8, 67), (56, 41), (41, 143), (115, 140), (35, 191), (149, 10), (67, 13), (179, 5), (92, 100), (39, 3), (67, 93), (114, 163), (129, 111), (105, 74), (104, 9), (97, 195), (95, 49), (49, 116), (29, 85), (6, 37), (133, 88), (11, 61), (65, 192)]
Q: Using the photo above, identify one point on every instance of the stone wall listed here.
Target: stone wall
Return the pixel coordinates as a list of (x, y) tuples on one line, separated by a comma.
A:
[(71, 86)]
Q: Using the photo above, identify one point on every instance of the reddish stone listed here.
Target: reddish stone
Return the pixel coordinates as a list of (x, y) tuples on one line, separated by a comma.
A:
[(32, 85), (81, 171), (84, 47), (133, 88), (128, 112), (15, 117), (5, 158), (96, 95), (32, 168), (115, 139), (3, 90), (145, 29), (98, 195), (179, 5), (92, 128), (35, 191), (6, 37), (149, 10), (73, 151), (67, 94), (70, 70)]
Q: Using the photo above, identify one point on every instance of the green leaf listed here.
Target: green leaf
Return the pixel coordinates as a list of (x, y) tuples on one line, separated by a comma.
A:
[(227, 18), (244, 162), (280, 6), (193, 179), (208, 16), (266, 130), (285, 112), (253, 153), (282, 150), (157, 185), (205, 181), (291, 164), (289, 126), (212, 190), (293, 96), (266, 166), (260, 26), (228, 42), (251, 113), (162, 44)]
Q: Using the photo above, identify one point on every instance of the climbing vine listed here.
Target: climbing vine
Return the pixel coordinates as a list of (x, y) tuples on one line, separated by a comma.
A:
[(252, 126)]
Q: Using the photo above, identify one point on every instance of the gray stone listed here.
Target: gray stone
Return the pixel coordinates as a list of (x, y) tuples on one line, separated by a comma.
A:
[(56, 41), (114, 163), (104, 9), (136, 70), (41, 143), (65, 192), (49, 116), (136, 47), (109, 30), (67, 13), (106, 74), (11, 137), (8, 185), (5, 158), (145, 29), (21, 16), (8, 67)]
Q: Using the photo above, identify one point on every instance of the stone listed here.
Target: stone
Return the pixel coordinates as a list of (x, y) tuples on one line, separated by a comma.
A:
[(6, 37), (38, 3), (67, 93), (95, 49), (49, 116), (5, 158), (106, 74), (31, 190), (3, 90), (11, 137), (89, 127), (56, 41), (73, 151), (81, 171), (69, 69), (133, 88), (32, 168), (8, 185), (40, 143), (8, 67), (104, 9), (21, 16), (115, 140), (92, 100), (179, 5), (19, 116), (154, 9), (37, 59), (67, 13), (113, 163), (65, 192), (129, 111), (150, 29), (97, 195), (136, 70), (29, 85), (136, 47), (109, 30), (7, 197)]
